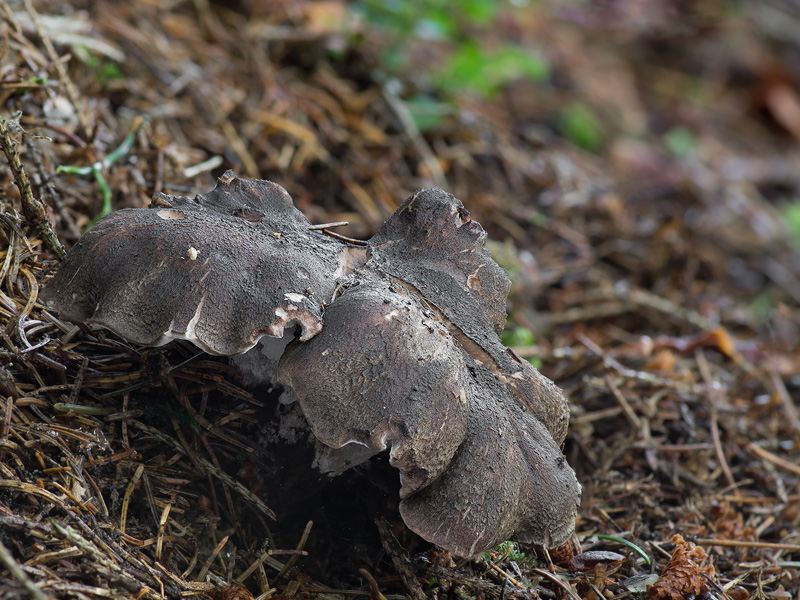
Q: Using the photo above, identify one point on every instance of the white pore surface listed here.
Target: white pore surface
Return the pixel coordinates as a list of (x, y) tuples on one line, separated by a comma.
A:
[(259, 365), (335, 461)]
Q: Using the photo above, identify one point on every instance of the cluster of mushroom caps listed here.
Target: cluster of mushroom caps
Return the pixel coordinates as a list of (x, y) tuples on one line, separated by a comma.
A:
[(393, 344)]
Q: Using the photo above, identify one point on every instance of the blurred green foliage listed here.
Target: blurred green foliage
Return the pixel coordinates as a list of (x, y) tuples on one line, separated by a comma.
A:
[(518, 336), (427, 19), (761, 308), (468, 67), (427, 111), (791, 214), (485, 72), (680, 142), (106, 71), (580, 126)]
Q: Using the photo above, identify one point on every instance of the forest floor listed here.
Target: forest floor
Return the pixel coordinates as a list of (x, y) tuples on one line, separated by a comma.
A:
[(641, 184)]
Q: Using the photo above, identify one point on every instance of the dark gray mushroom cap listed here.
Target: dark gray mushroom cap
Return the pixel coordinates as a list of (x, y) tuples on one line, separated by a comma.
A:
[(383, 374), (476, 468), (220, 270), (432, 243), (432, 248), (406, 356), (508, 480)]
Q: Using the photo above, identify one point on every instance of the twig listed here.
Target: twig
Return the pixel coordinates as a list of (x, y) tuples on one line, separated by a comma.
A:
[(775, 460), (264, 558), (126, 500), (202, 575), (162, 527), (714, 395), (400, 109), (195, 170), (328, 225), (630, 414), (723, 462), (222, 475), (620, 368), (32, 208), (663, 305), (17, 573), (344, 238), (747, 544), (93, 546), (789, 408), (373, 585), (399, 559), (505, 576), (293, 558), (585, 313), (563, 584), (43, 182)]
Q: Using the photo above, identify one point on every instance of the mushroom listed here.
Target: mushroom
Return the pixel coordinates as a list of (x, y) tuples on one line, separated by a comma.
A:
[(393, 346), (223, 270)]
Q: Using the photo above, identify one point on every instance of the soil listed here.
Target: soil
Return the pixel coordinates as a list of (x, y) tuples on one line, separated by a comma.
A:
[(643, 196)]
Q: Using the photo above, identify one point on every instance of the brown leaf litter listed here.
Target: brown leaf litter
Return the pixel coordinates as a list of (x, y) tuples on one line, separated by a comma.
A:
[(662, 292)]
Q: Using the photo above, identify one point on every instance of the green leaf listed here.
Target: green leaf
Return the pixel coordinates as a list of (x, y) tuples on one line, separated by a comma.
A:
[(479, 11), (510, 551), (486, 72), (580, 127), (624, 542), (109, 71), (679, 141), (518, 336), (761, 308), (791, 215), (514, 62)]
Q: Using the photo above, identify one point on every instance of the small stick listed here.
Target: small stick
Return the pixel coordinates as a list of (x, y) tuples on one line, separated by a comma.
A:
[(630, 414), (328, 225), (714, 395), (208, 466), (17, 573), (162, 527), (789, 408), (409, 127), (395, 551), (559, 582), (775, 460), (375, 590), (506, 577), (344, 238), (746, 544), (43, 182), (214, 553), (32, 208), (126, 500), (293, 557)]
